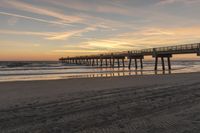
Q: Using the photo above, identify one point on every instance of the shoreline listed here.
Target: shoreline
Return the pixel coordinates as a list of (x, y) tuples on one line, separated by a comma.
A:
[(105, 74), (36, 71)]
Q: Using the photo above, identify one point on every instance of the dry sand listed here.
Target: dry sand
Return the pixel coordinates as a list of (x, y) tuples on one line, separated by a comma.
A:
[(130, 104)]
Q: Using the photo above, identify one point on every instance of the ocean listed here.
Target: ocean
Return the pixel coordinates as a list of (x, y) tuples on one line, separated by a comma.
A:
[(52, 70)]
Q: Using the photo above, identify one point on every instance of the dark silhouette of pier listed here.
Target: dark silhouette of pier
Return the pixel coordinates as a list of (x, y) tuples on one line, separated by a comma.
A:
[(136, 56)]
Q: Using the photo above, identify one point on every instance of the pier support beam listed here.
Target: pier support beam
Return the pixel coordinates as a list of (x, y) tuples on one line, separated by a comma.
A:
[(169, 63), (163, 63), (90, 62), (84, 61), (141, 63), (136, 57), (93, 62), (101, 62), (136, 66), (123, 62), (129, 65), (97, 62), (113, 64), (163, 56), (118, 63), (156, 63), (110, 62)]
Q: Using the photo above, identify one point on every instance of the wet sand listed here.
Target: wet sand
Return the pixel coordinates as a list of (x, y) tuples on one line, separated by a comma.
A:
[(129, 104)]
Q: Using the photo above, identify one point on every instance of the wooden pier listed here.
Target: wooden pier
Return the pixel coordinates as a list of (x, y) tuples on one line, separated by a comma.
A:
[(111, 59)]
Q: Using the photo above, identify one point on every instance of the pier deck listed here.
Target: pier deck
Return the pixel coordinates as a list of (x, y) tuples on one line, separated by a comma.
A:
[(109, 59)]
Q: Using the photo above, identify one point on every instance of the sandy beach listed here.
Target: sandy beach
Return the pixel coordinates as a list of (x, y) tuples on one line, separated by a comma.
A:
[(129, 104)]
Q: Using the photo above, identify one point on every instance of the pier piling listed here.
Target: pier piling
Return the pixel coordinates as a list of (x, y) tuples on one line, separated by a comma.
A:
[(156, 63), (163, 56), (163, 63), (136, 66), (141, 63), (129, 66), (123, 62), (118, 63), (113, 64), (169, 63)]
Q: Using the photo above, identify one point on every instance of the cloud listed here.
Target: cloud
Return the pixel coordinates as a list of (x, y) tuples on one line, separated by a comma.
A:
[(11, 32), (36, 45), (141, 39), (95, 12), (151, 32), (62, 36), (62, 18), (13, 20), (99, 7), (88, 18), (34, 19), (78, 51), (111, 44), (145, 38), (50, 35), (66, 35), (42, 11), (163, 2), (158, 36)]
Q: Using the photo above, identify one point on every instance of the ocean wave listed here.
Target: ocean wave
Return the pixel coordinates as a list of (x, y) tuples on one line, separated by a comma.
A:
[(30, 70)]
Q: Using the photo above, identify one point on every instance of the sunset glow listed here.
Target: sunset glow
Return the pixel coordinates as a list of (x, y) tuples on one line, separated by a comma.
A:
[(49, 29)]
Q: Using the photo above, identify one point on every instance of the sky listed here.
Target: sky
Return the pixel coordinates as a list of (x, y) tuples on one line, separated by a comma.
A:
[(50, 29)]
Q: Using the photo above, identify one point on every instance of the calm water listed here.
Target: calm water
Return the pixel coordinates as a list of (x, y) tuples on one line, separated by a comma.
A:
[(21, 71)]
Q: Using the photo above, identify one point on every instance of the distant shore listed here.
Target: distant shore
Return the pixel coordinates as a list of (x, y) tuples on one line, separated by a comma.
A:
[(135, 104)]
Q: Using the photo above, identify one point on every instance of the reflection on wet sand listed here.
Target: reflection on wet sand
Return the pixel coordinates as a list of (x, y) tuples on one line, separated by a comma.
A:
[(117, 73)]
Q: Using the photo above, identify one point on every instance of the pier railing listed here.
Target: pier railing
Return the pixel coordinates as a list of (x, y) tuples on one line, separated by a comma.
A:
[(186, 48), (180, 48)]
